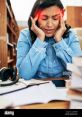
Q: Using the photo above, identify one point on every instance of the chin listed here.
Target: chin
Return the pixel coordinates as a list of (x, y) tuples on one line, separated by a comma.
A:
[(49, 35)]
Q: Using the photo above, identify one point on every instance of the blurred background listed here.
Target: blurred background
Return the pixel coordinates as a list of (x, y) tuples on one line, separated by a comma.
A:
[(22, 8), (14, 16)]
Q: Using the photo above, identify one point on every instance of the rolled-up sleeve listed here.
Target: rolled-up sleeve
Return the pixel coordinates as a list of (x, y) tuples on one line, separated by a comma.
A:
[(29, 58), (66, 51)]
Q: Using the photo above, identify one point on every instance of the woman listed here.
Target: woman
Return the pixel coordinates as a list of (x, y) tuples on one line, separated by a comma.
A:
[(44, 49)]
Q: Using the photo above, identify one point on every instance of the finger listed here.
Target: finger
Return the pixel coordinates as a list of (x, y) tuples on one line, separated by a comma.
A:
[(61, 15), (36, 18), (62, 24), (61, 20), (33, 21), (33, 27)]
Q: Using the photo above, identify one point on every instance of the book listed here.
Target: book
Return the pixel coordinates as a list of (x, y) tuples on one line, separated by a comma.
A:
[(21, 84), (42, 93), (75, 82), (76, 65), (77, 60), (76, 77), (74, 85), (75, 104), (74, 94), (75, 69)]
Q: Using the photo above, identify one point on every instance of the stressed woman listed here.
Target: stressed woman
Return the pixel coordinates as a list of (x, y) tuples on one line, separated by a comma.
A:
[(45, 48)]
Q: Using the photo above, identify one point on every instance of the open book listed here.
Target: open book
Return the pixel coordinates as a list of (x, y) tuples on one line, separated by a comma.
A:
[(21, 84), (42, 93)]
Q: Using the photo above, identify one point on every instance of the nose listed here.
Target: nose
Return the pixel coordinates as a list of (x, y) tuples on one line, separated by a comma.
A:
[(49, 23)]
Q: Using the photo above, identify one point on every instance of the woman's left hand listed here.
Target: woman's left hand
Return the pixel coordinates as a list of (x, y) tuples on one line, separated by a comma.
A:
[(60, 31)]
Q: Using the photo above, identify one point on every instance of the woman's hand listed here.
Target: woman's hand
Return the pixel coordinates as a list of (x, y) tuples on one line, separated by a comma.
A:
[(60, 31), (40, 34)]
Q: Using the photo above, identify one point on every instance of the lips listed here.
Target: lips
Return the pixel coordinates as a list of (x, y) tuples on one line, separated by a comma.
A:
[(49, 30)]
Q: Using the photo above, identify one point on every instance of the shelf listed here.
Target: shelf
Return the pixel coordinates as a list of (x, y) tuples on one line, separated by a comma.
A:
[(14, 43), (9, 28), (10, 61), (10, 44), (14, 54), (9, 10), (74, 16)]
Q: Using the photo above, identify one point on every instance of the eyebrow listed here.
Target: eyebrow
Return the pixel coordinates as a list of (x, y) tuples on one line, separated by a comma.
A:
[(52, 16)]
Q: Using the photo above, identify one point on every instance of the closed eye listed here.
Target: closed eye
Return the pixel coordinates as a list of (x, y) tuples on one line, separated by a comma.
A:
[(56, 17), (44, 17)]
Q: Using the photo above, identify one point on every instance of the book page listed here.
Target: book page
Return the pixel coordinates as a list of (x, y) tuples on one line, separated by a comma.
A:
[(5, 102), (50, 93), (11, 88), (21, 84), (42, 93), (75, 104), (28, 95), (33, 81)]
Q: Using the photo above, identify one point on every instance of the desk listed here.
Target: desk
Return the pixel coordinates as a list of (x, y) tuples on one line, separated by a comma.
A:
[(50, 79), (50, 105)]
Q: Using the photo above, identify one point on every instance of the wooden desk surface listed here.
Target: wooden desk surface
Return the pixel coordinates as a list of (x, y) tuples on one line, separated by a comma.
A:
[(50, 105), (54, 79)]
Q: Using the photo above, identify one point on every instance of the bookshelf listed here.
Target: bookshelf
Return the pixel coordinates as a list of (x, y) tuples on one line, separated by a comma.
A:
[(74, 16), (9, 32)]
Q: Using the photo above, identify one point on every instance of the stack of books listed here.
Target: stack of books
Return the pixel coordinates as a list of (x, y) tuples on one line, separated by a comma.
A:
[(74, 85)]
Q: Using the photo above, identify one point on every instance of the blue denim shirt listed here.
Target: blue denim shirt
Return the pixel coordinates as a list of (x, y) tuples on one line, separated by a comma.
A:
[(44, 59)]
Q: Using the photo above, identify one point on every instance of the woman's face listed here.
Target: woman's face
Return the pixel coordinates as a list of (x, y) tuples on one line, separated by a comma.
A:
[(49, 20)]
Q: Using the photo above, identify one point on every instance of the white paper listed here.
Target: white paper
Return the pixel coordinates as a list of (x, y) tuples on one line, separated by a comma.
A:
[(37, 94), (5, 102), (75, 104), (20, 85)]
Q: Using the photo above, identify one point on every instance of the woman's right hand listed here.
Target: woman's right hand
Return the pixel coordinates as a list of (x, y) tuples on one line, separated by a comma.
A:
[(40, 34)]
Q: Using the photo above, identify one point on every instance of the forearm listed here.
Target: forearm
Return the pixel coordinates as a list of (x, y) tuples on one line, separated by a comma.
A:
[(29, 65), (65, 52)]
